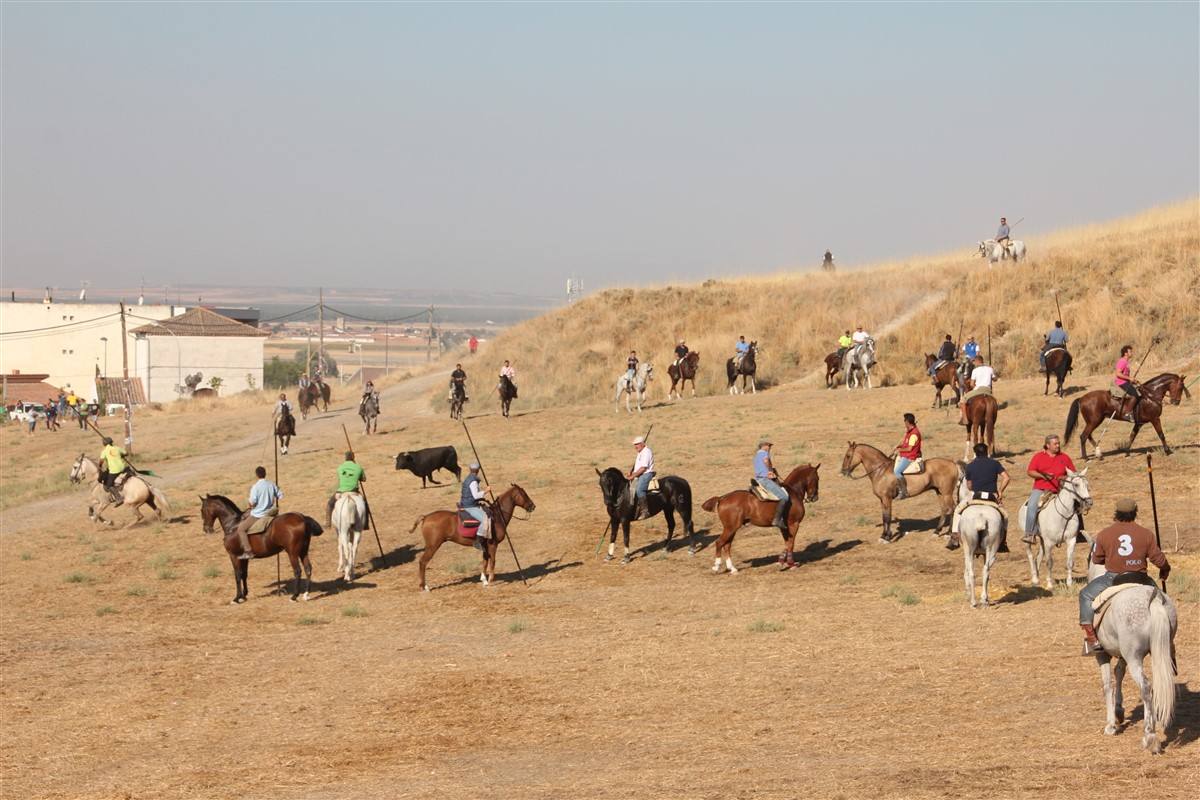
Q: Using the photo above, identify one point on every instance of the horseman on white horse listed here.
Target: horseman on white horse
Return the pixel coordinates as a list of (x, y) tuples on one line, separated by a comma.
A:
[(860, 356), (633, 381), (1003, 246)]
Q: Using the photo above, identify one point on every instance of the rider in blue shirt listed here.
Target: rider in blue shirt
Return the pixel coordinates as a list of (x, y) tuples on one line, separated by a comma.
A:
[(969, 350), (740, 349), (766, 477), (1057, 337)]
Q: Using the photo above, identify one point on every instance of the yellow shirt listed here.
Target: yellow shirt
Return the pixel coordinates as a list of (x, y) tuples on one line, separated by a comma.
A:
[(114, 457), (845, 341)]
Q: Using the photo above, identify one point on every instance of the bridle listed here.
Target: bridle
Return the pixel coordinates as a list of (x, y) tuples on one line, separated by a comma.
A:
[(1068, 487), (870, 473)]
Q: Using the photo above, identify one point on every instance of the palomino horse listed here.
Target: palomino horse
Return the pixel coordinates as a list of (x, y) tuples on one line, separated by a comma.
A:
[(288, 533), (508, 392), (860, 357), (742, 507), (981, 422), (674, 496), (285, 429), (746, 368), (1099, 405), (368, 410), (945, 375), (1058, 522), (135, 493), (1140, 621), (440, 527), (636, 387), (833, 365), (940, 475), (1058, 364), (979, 525), (349, 519), (682, 373)]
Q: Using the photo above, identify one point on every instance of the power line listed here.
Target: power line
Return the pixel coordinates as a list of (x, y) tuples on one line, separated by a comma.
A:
[(60, 327), (420, 313)]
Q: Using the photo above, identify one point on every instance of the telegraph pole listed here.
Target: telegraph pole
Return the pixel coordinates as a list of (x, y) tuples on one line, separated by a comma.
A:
[(321, 329), (125, 374), (386, 345), (429, 337)]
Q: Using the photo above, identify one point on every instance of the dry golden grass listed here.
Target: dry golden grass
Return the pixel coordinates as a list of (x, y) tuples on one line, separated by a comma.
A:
[(1119, 282)]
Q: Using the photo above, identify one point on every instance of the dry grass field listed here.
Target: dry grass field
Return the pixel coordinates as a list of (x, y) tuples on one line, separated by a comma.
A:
[(863, 672)]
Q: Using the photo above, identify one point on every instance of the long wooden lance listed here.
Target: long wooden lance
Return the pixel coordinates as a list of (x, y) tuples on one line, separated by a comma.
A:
[(600, 543), (507, 532), (370, 516), (1057, 306), (1154, 508)]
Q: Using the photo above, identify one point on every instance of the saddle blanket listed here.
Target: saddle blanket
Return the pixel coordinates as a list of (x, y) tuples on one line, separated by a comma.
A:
[(915, 468), (468, 526), (1052, 349), (261, 524), (1102, 603), (974, 501), (761, 493)]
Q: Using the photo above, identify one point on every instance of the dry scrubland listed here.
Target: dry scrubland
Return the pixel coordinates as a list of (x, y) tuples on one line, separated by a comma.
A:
[(1118, 282)]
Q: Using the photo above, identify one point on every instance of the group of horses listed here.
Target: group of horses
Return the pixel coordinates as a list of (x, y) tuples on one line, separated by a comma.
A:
[(855, 364), (682, 371)]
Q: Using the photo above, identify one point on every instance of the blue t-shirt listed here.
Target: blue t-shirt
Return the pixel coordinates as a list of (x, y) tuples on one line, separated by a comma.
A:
[(971, 349), (1057, 336), (263, 495), (760, 464), (982, 473), (742, 347), (1002, 232)]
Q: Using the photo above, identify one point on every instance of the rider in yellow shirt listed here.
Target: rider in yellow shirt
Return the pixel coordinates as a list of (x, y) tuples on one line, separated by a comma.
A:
[(112, 466)]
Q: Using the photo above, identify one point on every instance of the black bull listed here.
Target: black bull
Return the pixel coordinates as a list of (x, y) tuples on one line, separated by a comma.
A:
[(423, 463)]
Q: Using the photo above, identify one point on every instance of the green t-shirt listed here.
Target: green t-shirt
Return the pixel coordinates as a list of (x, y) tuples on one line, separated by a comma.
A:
[(349, 474)]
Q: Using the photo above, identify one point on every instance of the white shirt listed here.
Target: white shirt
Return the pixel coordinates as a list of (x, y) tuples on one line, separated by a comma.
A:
[(983, 376), (477, 490), (860, 336), (508, 372), (644, 459)]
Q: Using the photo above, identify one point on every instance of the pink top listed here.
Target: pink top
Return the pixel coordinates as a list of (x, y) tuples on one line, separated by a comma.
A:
[(1122, 367)]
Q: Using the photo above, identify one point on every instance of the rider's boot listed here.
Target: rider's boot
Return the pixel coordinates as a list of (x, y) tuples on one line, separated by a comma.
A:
[(1091, 644), (641, 508), (329, 511), (780, 520)]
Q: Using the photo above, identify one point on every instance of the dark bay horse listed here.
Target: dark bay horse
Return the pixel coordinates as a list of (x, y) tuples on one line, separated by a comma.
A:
[(742, 507), (288, 533), (1058, 364), (508, 392), (833, 365), (285, 429), (440, 527), (981, 422), (682, 373), (940, 475), (1097, 406), (946, 375), (746, 370), (674, 496)]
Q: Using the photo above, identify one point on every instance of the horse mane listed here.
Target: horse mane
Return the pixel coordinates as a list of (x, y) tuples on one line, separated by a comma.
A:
[(225, 501)]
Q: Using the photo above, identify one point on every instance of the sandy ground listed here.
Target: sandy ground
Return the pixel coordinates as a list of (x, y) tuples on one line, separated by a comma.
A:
[(126, 673)]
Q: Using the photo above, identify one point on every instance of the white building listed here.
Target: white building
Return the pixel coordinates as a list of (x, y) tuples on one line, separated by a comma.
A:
[(198, 340), (71, 342)]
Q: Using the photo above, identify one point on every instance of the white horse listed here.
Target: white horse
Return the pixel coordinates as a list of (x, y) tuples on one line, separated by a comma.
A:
[(993, 251), (1139, 621), (349, 517), (636, 387), (977, 523), (135, 493), (1058, 522), (859, 357)]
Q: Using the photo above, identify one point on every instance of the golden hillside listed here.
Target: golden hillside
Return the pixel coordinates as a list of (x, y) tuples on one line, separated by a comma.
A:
[(1118, 282)]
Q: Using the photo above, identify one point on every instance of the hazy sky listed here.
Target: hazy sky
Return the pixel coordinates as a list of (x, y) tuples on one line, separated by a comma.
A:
[(513, 145)]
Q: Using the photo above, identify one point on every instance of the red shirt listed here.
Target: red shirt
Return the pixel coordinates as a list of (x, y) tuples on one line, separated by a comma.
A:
[(1055, 466), (911, 446)]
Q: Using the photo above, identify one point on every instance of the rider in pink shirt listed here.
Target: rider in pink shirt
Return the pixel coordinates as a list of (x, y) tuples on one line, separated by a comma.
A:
[(1125, 382)]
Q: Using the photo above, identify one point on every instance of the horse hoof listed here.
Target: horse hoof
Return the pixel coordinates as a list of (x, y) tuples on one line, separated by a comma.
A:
[(1120, 714), (716, 570), (733, 571), (608, 557), (306, 597), (625, 560), (692, 551), (424, 588), (1110, 730)]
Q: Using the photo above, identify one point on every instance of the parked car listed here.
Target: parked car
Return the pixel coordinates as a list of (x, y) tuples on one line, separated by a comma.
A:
[(23, 412)]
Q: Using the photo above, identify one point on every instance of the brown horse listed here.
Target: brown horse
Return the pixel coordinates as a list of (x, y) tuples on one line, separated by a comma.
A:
[(981, 423), (1058, 364), (285, 429), (288, 533), (681, 374), (742, 507), (940, 475), (1099, 405), (440, 527), (946, 375), (833, 365)]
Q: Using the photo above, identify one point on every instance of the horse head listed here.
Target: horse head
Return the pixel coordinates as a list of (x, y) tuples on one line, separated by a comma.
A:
[(1177, 389), (612, 485), (850, 460), (77, 469), (929, 360), (1078, 484), (521, 498), (814, 484)]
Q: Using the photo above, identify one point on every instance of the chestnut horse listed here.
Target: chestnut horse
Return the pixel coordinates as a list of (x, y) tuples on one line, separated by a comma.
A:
[(833, 365), (981, 423), (742, 507), (940, 475), (946, 375), (288, 533), (1058, 364), (439, 527), (674, 496), (1099, 405), (681, 374)]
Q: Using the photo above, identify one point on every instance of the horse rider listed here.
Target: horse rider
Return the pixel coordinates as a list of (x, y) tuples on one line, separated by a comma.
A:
[(368, 392), (112, 467), (908, 451), (1047, 469), (643, 473), (264, 507), (1002, 234), (987, 480), (283, 410), (844, 344), (945, 355), (969, 351), (350, 475), (1122, 548), (507, 371), (828, 262), (470, 501), (1125, 382), (631, 365), (458, 383), (766, 477), (739, 350), (304, 381), (982, 376), (860, 337), (1057, 337), (681, 352)]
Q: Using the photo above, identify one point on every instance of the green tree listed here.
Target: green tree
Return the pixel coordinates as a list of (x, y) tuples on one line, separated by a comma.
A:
[(282, 374)]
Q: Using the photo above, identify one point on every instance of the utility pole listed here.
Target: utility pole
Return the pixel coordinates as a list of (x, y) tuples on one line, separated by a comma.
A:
[(321, 329), (308, 354), (429, 337), (387, 336), (125, 375)]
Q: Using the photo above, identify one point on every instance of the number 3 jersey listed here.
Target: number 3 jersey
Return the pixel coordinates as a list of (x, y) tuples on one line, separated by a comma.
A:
[(1127, 547)]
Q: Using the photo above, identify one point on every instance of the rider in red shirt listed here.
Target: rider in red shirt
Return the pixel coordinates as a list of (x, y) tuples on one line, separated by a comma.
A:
[(908, 451), (1047, 469)]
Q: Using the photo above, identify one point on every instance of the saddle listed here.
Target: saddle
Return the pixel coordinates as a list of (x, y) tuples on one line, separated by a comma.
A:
[(261, 524), (915, 468), (468, 526), (761, 493), (1051, 349)]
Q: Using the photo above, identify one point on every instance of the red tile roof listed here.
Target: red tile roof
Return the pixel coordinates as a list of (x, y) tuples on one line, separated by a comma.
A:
[(199, 321)]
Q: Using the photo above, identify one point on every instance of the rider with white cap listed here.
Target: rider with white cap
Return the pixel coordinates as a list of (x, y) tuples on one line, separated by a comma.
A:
[(643, 473), (473, 491)]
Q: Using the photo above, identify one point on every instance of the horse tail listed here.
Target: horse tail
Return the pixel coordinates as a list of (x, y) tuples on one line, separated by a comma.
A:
[(1163, 666), (420, 519), (711, 504), (1067, 361), (312, 527), (157, 498), (1072, 419)]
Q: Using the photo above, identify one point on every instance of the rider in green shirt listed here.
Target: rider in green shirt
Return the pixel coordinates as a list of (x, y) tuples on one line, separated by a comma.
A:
[(350, 475)]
